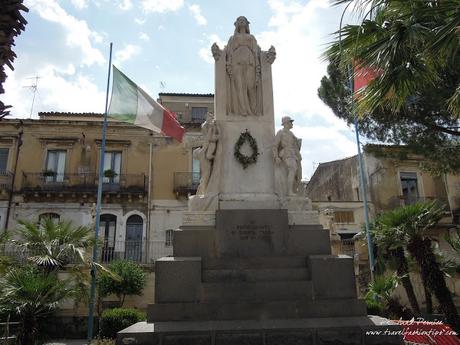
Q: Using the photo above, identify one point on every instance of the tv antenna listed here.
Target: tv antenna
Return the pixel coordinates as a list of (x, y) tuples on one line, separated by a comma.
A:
[(34, 88)]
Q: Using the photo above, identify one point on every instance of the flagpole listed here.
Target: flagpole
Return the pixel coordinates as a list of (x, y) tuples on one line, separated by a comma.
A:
[(98, 207), (362, 180)]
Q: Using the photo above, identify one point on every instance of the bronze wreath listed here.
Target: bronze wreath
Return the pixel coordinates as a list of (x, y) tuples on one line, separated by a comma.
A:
[(244, 160)]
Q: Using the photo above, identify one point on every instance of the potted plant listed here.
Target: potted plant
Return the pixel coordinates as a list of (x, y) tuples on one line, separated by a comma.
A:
[(109, 173)]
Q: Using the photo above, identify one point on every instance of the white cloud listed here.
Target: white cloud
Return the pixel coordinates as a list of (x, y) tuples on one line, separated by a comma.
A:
[(59, 89), (126, 53), (80, 4), (196, 11), (161, 6), (140, 21), (125, 5), (299, 33), (205, 52), (143, 36), (78, 34)]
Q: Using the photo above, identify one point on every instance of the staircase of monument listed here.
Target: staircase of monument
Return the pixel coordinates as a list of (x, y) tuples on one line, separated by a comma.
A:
[(253, 266)]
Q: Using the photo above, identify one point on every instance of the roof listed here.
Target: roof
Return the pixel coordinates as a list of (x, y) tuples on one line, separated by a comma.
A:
[(59, 113), (336, 161), (186, 94)]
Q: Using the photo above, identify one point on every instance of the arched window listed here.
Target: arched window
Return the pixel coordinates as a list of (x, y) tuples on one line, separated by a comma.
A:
[(133, 245), (169, 237), (54, 216), (107, 231)]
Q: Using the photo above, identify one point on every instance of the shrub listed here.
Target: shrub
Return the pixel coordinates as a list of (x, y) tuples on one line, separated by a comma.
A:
[(132, 280), (114, 320)]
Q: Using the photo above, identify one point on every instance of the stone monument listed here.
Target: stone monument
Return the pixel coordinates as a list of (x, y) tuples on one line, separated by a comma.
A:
[(251, 263)]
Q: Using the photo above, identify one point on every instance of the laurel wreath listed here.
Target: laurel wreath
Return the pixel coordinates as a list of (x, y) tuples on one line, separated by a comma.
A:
[(244, 160)]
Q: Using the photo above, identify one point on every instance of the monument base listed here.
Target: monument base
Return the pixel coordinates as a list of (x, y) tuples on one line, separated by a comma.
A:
[(371, 330)]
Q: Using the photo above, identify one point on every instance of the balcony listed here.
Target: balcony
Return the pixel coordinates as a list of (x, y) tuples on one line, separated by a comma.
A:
[(186, 183), (85, 183), (142, 252), (5, 181), (406, 200)]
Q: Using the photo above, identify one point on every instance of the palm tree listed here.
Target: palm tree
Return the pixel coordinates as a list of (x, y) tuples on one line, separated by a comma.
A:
[(389, 238), (415, 222), (413, 43), (52, 245), (379, 297), (31, 294), (34, 291)]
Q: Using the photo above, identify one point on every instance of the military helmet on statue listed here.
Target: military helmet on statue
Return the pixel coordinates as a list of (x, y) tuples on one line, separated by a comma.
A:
[(286, 119)]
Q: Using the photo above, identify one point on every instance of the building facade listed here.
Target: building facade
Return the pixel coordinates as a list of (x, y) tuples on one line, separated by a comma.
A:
[(49, 167), (391, 182)]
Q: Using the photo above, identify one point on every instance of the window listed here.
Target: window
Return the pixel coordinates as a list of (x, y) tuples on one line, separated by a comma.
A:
[(55, 166), (169, 238), (3, 160), (54, 216), (112, 167), (344, 217), (199, 114), (196, 173), (409, 187), (107, 228)]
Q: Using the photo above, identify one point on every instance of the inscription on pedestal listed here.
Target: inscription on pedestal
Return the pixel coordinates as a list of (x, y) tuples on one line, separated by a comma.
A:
[(244, 233)]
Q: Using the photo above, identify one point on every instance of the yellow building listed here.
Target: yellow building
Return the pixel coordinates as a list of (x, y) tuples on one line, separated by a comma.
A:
[(49, 167), (391, 182)]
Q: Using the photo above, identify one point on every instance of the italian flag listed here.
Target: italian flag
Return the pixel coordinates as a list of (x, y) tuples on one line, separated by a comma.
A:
[(129, 103)]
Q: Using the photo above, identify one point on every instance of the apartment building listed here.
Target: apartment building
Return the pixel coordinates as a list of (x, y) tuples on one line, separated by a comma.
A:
[(49, 167), (335, 191)]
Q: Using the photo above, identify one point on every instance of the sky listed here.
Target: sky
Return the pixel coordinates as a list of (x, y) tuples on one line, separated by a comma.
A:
[(164, 46)]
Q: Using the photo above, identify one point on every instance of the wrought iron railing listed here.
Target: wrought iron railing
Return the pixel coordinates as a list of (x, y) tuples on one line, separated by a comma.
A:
[(5, 181), (348, 246), (138, 251), (186, 182), (143, 252), (82, 182)]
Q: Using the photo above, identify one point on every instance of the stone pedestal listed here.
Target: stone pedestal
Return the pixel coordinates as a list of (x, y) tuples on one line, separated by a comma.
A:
[(251, 278)]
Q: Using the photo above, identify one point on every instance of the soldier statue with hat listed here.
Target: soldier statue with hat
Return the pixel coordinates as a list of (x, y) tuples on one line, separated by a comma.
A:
[(286, 153)]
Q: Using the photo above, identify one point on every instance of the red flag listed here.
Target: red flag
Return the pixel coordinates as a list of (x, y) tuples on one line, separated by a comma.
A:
[(363, 75)]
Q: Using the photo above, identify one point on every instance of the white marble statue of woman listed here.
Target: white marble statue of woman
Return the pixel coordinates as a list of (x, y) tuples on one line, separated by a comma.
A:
[(243, 71), (207, 152)]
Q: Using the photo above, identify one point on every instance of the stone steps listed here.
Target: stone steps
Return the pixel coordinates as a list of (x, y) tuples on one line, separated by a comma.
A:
[(254, 275), (234, 292), (256, 311), (267, 262)]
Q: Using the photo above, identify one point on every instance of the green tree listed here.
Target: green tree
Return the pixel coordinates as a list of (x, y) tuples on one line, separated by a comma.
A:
[(413, 43), (415, 222), (380, 297), (52, 245), (389, 238), (31, 294), (414, 100), (33, 290), (130, 280)]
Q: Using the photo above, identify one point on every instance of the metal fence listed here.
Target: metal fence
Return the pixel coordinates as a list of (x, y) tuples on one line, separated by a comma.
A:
[(5, 181), (186, 182), (348, 246), (82, 182), (143, 252)]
